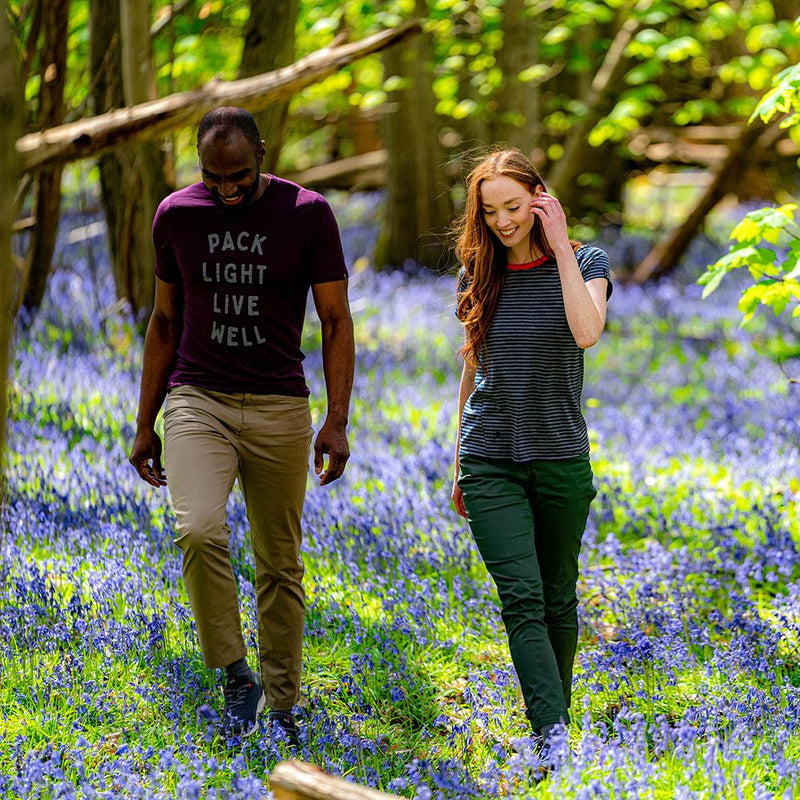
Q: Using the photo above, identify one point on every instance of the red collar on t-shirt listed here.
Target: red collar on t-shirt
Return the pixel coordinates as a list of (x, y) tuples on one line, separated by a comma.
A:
[(529, 264)]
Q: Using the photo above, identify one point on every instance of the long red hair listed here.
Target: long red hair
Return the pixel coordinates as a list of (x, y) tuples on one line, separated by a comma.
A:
[(482, 254)]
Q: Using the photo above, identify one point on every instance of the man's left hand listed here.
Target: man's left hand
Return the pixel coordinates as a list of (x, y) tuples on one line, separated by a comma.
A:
[(331, 441)]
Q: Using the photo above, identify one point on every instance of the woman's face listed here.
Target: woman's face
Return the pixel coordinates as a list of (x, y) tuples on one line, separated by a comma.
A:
[(506, 207)]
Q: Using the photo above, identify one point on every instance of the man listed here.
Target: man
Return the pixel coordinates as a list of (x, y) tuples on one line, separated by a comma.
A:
[(235, 257)]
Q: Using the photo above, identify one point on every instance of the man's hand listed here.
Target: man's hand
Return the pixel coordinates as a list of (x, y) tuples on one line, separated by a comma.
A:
[(146, 457), (331, 441)]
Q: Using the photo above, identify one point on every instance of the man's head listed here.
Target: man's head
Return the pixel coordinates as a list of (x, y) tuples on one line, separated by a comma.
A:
[(231, 152)]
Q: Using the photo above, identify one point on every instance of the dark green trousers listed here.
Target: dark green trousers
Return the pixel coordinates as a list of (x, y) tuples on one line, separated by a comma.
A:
[(528, 520)]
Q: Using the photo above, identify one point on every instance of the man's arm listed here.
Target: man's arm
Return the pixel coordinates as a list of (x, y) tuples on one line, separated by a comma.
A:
[(160, 348), (338, 363)]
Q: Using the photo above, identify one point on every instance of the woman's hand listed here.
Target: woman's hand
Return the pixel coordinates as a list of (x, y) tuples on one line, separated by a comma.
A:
[(457, 497), (552, 218)]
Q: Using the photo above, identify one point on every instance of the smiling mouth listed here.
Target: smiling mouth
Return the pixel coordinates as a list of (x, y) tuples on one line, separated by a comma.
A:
[(509, 233), (232, 200)]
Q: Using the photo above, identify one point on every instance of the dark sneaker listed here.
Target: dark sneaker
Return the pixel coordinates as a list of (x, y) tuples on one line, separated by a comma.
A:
[(244, 699), (284, 722)]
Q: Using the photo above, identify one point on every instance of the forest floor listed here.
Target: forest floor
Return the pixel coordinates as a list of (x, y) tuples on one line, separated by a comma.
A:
[(687, 681)]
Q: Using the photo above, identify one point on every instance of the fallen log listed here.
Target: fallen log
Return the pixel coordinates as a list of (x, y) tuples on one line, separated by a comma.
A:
[(95, 135), (667, 252), (296, 780), (366, 171)]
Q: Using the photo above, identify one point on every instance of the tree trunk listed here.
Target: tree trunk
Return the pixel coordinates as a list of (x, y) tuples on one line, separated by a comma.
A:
[(47, 186), (269, 45), (418, 208), (517, 120), (472, 131), (105, 64), (142, 169), (31, 41), (606, 86), (11, 105), (148, 121)]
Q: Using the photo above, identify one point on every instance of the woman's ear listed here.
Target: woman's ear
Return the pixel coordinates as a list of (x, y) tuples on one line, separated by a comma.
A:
[(538, 190)]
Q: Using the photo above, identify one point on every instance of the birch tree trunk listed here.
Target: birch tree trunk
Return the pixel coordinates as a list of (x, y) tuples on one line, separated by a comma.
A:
[(47, 184), (418, 207), (11, 111), (269, 45)]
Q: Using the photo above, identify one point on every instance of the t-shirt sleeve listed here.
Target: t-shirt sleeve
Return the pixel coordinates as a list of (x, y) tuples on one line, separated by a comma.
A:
[(167, 268), (326, 259), (594, 263)]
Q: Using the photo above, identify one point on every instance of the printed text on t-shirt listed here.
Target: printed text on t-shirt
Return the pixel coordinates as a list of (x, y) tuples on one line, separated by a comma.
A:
[(245, 274)]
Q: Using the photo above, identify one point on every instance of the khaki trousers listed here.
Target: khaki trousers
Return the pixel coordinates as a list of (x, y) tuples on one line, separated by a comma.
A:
[(210, 440)]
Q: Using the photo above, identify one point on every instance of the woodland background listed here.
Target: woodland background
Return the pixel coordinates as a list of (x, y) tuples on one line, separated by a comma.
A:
[(657, 125)]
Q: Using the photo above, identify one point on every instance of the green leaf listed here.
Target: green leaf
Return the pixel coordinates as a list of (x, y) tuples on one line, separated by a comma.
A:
[(464, 109), (711, 280), (764, 223), (645, 43), (679, 49), (760, 37), (557, 35)]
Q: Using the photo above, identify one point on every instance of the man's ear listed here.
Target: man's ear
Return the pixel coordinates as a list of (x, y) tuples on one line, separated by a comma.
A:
[(261, 152)]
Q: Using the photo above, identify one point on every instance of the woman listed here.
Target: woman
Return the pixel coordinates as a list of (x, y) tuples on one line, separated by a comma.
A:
[(531, 300)]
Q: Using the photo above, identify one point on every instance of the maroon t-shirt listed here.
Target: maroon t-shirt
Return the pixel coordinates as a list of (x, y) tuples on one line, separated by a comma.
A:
[(245, 275)]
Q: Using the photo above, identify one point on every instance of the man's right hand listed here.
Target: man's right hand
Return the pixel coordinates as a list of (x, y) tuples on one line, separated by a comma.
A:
[(146, 457)]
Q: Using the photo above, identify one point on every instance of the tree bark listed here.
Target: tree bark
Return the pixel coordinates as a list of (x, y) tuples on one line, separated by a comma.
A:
[(357, 173), (294, 780), (31, 40), (47, 186), (11, 105), (105, 64), (142, 184), (418, 208), (517, 120), (147, 121), (269, 45)]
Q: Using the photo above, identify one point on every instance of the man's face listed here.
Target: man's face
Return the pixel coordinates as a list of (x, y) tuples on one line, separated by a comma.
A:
[(231, 168)]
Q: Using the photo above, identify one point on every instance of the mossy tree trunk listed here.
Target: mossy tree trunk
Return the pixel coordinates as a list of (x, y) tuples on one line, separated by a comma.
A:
[(47, 184), (517, 117), (11, 103), (418, 207), (105, 63), (142, 184)]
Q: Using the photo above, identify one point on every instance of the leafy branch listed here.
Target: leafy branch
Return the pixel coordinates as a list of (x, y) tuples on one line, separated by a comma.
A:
[(767, 241)]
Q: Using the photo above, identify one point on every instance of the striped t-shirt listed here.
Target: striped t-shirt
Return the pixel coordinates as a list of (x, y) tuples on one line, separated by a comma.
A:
[(527, 398)]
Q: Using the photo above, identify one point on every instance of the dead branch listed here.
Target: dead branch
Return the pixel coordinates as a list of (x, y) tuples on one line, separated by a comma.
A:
[(150, 120)]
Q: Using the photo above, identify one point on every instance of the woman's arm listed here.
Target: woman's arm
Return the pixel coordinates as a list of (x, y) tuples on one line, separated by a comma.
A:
[(584, 301), (465, 389)]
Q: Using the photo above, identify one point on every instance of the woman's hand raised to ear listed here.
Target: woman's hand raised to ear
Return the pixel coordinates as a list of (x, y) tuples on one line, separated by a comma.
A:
[(552, 218)]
